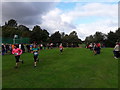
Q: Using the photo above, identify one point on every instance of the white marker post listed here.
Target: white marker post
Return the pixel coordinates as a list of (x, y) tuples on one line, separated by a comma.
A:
[(15, 36)]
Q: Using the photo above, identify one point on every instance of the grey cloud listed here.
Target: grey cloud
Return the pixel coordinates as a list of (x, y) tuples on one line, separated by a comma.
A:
[(30, 20), (27, 13)]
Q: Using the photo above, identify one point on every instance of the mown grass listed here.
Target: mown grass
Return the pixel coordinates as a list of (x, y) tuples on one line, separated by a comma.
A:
[(75, 68)]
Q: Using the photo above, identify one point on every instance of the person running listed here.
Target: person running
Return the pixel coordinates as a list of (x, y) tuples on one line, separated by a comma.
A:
[(31, 46), (48, 45), (61, 48), (12, 46), (41, 46), (98, 48), (91, 46), (17, 52), (35, 51), (28, 47), (95, 49), (3, 49), (51, 45), (116, 51)]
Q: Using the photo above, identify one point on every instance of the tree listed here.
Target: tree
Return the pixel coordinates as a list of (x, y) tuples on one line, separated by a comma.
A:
[(8, 31), (89, 39), (38, 35), (73, 38), (45, 35), (24, 31), (62, 35), (23, 28), (65, 40), (111, 39), (118, 34), (11, 23), (55, 38), (99, 37)]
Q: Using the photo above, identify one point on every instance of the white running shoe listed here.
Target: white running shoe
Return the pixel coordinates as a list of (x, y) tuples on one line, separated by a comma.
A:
[(115, 57)]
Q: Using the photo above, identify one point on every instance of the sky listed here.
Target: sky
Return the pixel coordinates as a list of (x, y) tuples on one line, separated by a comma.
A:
[(83, 16)]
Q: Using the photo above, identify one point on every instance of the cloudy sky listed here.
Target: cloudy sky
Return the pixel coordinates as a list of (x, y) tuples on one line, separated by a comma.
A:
[(83, 16)]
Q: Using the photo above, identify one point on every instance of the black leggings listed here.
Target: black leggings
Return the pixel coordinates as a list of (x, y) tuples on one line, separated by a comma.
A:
[(61, 50), (116, 54), (17, 58), (35, 58)]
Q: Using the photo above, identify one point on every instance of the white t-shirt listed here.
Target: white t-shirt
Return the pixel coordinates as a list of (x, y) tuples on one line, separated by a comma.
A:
[(117, 48), (20, 46)]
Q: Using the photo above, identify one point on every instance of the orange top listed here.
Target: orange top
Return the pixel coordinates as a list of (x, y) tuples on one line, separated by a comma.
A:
[(12, 46)]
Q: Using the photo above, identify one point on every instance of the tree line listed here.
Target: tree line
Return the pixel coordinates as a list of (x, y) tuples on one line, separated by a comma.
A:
[(39, 35), (108, 40)]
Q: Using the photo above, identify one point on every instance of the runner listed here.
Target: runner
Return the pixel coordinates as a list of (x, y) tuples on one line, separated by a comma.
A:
[(98, 48), (3, 49), (95, 49), (91, 46), (35, 54), (61, 48), (116, 51), (31, 46), (17, 52)]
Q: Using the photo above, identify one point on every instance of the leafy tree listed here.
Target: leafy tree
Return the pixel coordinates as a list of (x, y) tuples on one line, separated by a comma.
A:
[(73, 38), (45, 35), (8, 31), (89, 39), (55, 37), (62, 35), (118, 34), (23, 28), (11, 23), (111, 39), (38, 35), (99, 37), (24, 31), (65, 40)]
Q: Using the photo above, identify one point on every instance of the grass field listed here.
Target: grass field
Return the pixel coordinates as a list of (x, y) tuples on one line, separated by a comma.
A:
[(75, 68)]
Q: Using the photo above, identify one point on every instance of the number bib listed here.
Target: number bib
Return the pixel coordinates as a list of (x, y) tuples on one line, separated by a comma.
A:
[(61, 49), (35, 53), (16, 53)]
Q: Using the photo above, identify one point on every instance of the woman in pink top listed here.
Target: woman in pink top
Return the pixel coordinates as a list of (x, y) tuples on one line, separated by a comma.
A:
[(17, 52), (61, 48)]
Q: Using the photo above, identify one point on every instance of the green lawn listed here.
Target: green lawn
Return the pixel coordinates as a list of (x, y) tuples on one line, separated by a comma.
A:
[(75, 68)]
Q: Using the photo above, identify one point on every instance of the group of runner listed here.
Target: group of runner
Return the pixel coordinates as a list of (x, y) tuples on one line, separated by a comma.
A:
[(34, 49), (95, 47), (7, 48)]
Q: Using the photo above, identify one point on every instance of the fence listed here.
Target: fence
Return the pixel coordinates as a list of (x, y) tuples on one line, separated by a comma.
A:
[(13, 41)]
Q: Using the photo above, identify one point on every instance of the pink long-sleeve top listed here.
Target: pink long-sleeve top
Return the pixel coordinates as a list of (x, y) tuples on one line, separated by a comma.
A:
[(17, 51)]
